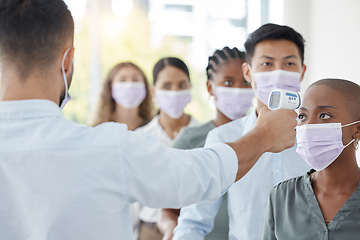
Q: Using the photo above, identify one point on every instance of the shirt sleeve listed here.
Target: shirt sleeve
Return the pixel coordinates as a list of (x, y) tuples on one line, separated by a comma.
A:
[(269, 227), (157, 176), (197, 220)]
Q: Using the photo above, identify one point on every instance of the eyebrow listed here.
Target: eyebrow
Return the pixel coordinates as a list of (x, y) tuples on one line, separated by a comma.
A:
[(319, 107), (326, 106), (291, 56), (271, 58), (267, 57)]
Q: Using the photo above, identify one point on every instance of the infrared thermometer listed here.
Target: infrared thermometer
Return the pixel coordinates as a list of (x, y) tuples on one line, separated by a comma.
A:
[(285, 99)]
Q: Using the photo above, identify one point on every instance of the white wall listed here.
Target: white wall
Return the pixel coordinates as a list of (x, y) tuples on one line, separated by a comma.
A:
[(331, 29)]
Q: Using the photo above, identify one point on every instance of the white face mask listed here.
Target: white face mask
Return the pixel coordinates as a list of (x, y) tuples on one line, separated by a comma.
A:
[(173, 102), (320, 144), (67, 97), (233, 102), (268, 81)]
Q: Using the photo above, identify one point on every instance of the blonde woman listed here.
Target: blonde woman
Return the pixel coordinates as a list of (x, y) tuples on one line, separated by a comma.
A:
[(125, 97)]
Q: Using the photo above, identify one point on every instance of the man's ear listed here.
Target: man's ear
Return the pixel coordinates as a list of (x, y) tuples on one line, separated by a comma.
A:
[(247, 72), (303, 68), (68, 61), (210, 87)]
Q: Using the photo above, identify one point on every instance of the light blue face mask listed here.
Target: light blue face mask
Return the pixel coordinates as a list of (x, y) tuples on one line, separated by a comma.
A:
[(67, 97)]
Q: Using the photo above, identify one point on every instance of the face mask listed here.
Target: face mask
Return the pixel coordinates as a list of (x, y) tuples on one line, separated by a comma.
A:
[(320, 144), (233, 102), (67, 97), (268, 81), (173, 102), (128, 94)]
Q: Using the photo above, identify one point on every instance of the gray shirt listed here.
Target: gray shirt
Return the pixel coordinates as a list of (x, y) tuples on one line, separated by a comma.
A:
[(193, 137), (294, 213)]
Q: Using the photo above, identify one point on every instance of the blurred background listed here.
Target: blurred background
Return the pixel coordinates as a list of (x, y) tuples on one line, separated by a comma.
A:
[(143, 31)]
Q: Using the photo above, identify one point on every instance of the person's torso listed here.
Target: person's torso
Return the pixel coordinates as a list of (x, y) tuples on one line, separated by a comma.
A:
[(247, 198), (59, 180), (309, 222)]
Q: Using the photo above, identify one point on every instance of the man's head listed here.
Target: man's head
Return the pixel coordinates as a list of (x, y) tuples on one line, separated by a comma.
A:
[(34, 35), (269, 49), (273, 32)]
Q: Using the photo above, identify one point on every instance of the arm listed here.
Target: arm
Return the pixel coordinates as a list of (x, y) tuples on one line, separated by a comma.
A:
[(183, 177), (197, 220), (274, 131), (168, 221)]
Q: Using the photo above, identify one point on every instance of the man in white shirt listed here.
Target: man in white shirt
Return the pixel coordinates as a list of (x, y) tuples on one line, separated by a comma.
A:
[(275, 56), (59, 180)]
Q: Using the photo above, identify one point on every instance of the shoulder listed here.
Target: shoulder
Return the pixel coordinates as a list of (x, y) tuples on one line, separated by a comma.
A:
[(70, 135), (289, 187), (110, 133)]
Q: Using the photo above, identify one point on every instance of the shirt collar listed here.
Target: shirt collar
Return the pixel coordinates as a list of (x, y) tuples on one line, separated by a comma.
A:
[(35, 108)]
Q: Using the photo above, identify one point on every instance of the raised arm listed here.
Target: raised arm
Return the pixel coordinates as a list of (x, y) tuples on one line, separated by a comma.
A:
[(170, 178), (274, 131)]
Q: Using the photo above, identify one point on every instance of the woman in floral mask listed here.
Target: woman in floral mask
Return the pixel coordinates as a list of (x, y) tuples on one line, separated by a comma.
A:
[(171, 91), (125, 97), (323, 204)]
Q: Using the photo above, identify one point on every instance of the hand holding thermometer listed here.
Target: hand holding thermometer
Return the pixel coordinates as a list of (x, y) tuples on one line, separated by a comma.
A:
[(285, 99)]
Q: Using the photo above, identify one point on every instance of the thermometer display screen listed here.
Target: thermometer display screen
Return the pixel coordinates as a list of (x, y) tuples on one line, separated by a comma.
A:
[(275, 99)]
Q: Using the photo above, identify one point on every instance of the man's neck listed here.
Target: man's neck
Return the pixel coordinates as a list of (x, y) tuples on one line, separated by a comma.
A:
[(33, 87)]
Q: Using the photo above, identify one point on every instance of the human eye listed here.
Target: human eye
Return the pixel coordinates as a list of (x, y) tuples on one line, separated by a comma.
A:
[(137, 79), (266, 64), (167, 86), (325, 116), (183, 85), (229, 83), (302, 117), (290, 64)]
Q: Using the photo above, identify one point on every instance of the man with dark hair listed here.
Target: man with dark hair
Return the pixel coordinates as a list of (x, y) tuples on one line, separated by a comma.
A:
[(273, 32), (274, 60), (59, 180)]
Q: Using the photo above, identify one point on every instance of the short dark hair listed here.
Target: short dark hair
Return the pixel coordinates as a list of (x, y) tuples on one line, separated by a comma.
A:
[(32, 32), (272, 31), (222, 55), (169, 61), (348, 89)]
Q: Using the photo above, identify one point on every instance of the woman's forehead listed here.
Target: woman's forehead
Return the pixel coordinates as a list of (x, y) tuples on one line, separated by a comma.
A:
[(323, 95)]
